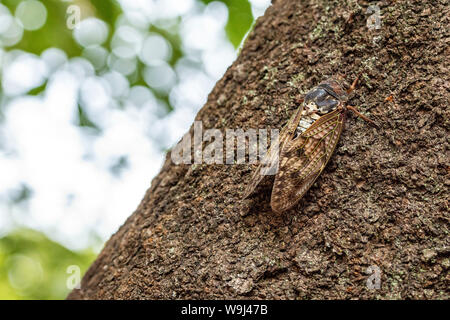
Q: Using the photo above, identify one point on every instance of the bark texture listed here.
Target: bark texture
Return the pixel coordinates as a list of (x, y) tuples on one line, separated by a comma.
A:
[(382, 201)]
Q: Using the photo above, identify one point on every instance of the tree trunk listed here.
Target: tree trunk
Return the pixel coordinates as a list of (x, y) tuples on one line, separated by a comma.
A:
[(379, 208)]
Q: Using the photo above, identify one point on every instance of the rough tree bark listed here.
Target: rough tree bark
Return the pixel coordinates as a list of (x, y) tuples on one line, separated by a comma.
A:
[(382, 200)]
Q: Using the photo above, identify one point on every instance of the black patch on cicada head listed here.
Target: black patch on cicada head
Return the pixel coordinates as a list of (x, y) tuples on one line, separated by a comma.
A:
[(317, 94), (334, 88), (324, 96)]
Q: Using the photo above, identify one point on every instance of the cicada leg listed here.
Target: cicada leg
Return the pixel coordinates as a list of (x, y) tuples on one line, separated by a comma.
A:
[(355, 111), (353, 86)]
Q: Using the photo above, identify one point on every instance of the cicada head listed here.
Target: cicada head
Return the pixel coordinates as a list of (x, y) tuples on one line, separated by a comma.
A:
[(327, 96), (334, 87)]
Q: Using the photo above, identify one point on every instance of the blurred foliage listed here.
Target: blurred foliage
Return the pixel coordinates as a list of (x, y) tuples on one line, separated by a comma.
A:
[(53, 34), (35, 267), (56, 34), (31, 265), (240, 19)]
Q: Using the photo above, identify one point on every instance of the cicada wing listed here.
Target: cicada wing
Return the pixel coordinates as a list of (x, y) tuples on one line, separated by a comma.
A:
[(303, 159), (270, 162), (266, 168)]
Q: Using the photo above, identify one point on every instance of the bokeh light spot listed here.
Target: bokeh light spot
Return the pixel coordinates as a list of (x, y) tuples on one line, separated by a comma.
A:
[(126, 42), (32, 14), (155, 49), (24, 272), (91, 31), (5, 18), (160, 76)]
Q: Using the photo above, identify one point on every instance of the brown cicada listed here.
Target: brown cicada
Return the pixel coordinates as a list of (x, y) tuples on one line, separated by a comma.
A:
[(305, 144)]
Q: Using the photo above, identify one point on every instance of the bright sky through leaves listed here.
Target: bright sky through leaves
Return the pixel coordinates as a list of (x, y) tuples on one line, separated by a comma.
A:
[(86, 115)]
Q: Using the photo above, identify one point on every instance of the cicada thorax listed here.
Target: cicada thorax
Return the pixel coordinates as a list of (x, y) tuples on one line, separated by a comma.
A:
[(321, 100)]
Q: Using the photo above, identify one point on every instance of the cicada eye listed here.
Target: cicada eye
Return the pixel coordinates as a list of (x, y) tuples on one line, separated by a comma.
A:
[(323, 110)]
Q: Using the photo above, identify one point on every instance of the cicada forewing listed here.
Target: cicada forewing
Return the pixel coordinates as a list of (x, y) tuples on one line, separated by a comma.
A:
[(303, 159), (269, 165)]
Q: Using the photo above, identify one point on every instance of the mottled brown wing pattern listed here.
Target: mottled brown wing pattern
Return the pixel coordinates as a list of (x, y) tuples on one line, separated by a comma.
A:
[(271, 158), (303, 159)]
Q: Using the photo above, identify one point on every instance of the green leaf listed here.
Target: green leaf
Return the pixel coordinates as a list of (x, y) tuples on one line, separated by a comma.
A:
[(54, 33), (84, 121), (107, 10), (38, 90), (240, 19), (35, 267)]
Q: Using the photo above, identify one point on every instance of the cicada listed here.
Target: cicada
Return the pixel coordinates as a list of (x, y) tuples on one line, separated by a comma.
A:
[(305, 144)]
